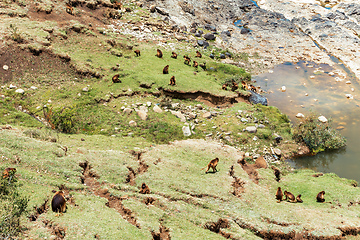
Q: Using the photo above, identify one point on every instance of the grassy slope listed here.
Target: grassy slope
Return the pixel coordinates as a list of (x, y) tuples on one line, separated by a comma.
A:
[(177, 177)]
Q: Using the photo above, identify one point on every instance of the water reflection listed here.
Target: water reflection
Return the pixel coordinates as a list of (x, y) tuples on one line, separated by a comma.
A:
[(325, 91)]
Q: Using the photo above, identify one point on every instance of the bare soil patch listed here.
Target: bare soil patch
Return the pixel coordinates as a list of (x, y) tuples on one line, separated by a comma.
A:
[(39, 210), (163, 234), (217, 226), (56, 229), (237, 184)]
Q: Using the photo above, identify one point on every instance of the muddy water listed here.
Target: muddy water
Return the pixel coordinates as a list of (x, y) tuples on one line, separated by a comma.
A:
[(323, 90)]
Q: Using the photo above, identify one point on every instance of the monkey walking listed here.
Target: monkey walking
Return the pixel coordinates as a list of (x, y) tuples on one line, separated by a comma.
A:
[(159, 53), (187, 60), (166, 69), (58, 203), (174, 55), (203, 66), (137, 52), (195, 65), (172, 81), (212, 164), (144, 189)]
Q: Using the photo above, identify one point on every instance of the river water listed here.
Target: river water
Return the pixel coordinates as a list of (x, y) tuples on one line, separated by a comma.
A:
[(322, 90)]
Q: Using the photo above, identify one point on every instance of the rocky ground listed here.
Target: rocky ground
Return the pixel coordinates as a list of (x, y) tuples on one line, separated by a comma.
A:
[(280, 31)]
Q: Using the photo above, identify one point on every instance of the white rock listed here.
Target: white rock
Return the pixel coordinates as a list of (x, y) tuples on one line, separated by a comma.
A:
[(148, 104), (5, 67), (157, 109), (186, 131), (142, 114), (33, 87), (132, 123), (322, 119), (251, 129), (12, 86), (348, 82), (283, 88), (85, 89), (300, 115), (255, 138), (21, 91), (179, 115), (312, 77), (127, 110), (207, 115), (349, 96)]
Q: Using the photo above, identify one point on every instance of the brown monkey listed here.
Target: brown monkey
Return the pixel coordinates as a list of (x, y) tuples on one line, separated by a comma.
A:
[(116, 79), (69, 9), (289, 196), (198, 54), (172, 81), (234, 86), (244, 85), (174, 55), (58, 203), (203, 66), (159, 53), (137, 52), (187, 60), (9, 172), (144, 189), (117, 5), (298, 199), (279, 195), (320, 196), (212, 164), (252, 88), (224, 86), (276, 172), (195, 65), (166, 69)]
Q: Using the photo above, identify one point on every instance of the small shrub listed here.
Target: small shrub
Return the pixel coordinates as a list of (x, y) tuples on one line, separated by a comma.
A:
[(318, 136), (12, 207), (15, 35), (64, 120)]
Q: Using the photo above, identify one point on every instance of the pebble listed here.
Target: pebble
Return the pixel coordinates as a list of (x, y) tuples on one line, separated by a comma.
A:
[(300, 115), (5, 67)]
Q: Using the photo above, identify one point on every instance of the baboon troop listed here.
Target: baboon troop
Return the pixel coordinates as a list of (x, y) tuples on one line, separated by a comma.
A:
[(58, 203), (166, 69), (159, 53), (276, 172), (116, 79), (198, 54), (212, 164), (137, 52), (174, 55), (8, 172), (279, 195), (172, 81), (288, 196), (144, 189), (320, 196)]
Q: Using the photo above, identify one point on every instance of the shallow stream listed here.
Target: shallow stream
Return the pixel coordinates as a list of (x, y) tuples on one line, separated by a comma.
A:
[(324, 91)]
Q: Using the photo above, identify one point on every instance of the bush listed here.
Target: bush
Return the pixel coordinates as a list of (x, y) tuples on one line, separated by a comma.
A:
[(64, 120), (318, 136), (12, 207)]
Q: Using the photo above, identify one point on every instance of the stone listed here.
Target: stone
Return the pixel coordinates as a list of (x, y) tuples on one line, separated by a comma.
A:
[(209, 36), (261, 126), (300, 115), (207, 115), (33, 87), (21, 91), (143, 108), (322, 119), (132, 123), (157, 109), (148, 104), (349, 96), (127, 110), (5, 67), (283, 88), (179, 115), (152, 8), (226, 33), (255, 138), (210, 27), (212, 56), (12, 86), (203, 43), (142, 114), (244, 120), (222, 56), (244, 31), (277, 152), (199, 106), (256, 98), (186, 131), (162, 11), (197, 35), (251, 129), (85, 89)]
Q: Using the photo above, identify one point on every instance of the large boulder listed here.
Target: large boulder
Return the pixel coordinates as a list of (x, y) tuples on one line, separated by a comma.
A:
[(256, 98), (209, 36)]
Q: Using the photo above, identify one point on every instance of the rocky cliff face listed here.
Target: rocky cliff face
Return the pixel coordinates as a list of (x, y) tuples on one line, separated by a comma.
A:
[(278, 31)]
